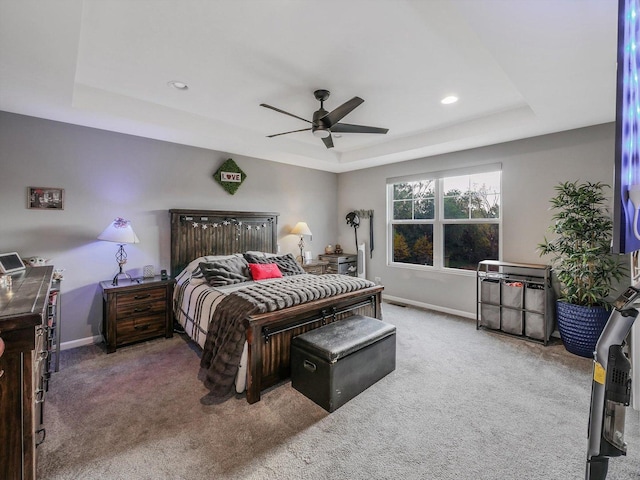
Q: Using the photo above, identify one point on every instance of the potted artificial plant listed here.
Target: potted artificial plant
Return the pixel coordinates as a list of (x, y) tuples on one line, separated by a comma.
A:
[(582, 262)]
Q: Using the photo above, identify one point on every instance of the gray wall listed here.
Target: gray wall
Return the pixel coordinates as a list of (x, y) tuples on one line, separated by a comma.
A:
[(106, 175), (531, 168)]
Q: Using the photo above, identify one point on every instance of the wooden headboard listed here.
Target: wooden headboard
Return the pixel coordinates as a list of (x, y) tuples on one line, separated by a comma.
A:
[(196, 233)]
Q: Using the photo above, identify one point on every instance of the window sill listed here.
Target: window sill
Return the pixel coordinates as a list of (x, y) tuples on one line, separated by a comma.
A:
[(431, 269)]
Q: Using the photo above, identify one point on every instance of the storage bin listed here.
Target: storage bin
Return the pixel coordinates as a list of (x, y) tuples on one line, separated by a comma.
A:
[(490, 294), (534, 326), (512, 321), (490, 291), (512, 317), (534, 297), (534, 319), (512, 294)]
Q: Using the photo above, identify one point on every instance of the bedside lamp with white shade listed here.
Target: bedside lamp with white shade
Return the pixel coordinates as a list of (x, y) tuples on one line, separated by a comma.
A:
[(120, 231), (301, 229)]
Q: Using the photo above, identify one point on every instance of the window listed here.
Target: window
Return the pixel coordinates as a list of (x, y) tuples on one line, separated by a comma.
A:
[(445, 219)]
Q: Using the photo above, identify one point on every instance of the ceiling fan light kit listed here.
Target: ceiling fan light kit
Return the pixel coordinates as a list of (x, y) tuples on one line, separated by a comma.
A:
[(325, 123), (321, 133)]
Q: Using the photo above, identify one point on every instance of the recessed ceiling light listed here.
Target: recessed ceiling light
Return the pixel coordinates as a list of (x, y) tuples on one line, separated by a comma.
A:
[(448, 100), (178, 85)]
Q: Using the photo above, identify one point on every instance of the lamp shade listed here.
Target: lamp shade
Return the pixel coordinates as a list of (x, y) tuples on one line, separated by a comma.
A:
[(119, 231), (301, 228)]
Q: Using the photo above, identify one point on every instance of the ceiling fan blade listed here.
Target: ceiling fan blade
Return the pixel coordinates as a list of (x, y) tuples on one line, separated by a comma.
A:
[(285, 133), (343, 110), (328, 142), (348, 128), (286, 113)]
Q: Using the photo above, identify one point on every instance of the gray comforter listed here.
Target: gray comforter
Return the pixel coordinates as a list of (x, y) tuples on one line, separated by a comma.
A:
[(226, 334)]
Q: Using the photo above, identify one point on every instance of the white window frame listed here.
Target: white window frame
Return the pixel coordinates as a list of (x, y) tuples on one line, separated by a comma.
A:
[(439, 221)]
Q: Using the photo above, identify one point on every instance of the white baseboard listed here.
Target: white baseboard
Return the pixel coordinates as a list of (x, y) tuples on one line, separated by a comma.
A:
[(81, 342), (428, 306), (438, 308)]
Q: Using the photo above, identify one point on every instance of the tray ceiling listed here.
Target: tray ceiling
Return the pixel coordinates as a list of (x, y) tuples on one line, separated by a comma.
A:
[(519, 67)]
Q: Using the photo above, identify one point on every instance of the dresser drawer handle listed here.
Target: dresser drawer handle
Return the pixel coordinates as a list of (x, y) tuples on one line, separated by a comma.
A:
[(140, 297), (141, 327), (138, 310), (43, 432), (39, 395)]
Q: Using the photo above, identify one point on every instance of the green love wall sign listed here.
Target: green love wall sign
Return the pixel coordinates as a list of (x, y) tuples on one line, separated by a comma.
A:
[(230, 176)]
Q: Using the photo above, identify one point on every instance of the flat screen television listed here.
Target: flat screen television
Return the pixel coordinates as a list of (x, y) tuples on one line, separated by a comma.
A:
[(626, 207)]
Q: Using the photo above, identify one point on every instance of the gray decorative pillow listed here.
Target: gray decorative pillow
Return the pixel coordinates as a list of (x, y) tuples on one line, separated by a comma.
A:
[(224, 272), (286, 263)]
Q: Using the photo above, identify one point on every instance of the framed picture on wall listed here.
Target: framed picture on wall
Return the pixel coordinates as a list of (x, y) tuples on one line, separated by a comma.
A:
[(45, 198)]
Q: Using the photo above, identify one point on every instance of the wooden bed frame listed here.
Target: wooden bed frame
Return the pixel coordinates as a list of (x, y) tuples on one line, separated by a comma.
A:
[(196, 233)]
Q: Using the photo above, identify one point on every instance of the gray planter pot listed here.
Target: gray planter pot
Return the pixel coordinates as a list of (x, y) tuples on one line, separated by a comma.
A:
[(580, 327)]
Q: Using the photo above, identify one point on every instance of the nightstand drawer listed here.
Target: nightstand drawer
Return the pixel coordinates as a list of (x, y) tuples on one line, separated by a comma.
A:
[(314, 269), (140, 328), (343, 268), (142, 296), (345, 264), (123, 312)]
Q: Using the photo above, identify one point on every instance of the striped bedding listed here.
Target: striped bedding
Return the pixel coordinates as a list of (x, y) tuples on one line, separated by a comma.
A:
[(195, 304)]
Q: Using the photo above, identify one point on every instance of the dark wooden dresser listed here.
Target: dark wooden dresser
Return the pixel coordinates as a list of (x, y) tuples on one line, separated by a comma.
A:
[(23, 328)]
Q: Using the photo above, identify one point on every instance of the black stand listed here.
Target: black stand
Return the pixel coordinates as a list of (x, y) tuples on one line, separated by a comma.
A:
[(121, 257)]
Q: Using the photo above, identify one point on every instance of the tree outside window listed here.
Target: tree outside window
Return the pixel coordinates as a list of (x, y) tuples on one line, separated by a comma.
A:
[(458, 216)]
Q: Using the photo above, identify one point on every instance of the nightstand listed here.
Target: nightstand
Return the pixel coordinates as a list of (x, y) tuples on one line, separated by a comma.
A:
[(136, 310), (344, 263), (315, 267)]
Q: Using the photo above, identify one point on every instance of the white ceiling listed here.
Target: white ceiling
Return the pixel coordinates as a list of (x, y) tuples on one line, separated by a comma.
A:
[(520, 68)]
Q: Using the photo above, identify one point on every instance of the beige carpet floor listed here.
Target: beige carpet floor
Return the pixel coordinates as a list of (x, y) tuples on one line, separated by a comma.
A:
[(462, 404)]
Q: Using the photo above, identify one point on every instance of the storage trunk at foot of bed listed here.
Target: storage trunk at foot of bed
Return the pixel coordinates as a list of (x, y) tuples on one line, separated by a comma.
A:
[(269, 334)]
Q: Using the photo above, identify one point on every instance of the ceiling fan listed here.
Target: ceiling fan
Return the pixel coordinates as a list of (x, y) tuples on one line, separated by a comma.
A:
[(324, 123)]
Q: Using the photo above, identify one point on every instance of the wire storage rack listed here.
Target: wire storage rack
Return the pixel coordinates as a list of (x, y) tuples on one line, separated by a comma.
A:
[(515, 299)]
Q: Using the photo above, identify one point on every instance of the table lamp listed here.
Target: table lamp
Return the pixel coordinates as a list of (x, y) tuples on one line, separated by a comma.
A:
[(119, 231), (301, 229)]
